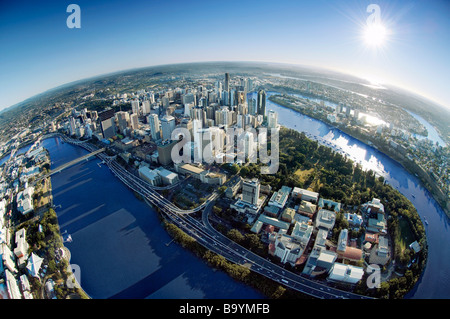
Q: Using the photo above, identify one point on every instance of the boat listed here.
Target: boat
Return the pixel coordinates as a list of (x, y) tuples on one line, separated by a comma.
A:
[(425, 220), (414, 196)]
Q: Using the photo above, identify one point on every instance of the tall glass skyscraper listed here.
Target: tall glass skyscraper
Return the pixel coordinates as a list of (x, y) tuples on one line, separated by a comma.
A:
[(261, 103)]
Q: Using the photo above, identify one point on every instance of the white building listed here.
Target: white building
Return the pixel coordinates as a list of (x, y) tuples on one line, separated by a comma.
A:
[(325, 219), (280, 198), (25, 200), (167, 177), (272, 119), (305, 194), (288, 249), (346, 273), (149, 176), (155, 129), (342, 241), (302, 232), (167, 126), (21, 250)]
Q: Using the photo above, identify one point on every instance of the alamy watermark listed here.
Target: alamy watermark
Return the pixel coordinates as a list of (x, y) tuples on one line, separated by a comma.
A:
[(74, 19), (76, 271), (229, 145), (374, 278)]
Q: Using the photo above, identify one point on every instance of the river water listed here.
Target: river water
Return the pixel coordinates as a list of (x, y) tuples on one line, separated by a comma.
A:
[(122, 251), (435, 282), (118, 241)]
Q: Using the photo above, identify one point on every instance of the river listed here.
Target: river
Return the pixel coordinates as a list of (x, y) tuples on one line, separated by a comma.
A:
[(435, 282), (120, 246), (118, 241)]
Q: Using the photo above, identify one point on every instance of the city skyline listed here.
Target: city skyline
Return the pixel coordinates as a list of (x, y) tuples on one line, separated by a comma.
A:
[(43, 53)]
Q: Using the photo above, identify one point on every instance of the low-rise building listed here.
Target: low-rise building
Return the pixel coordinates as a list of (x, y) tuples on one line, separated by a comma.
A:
[(302, 232), (325, 219), (288, 215), (378, 224), (346, 273), (329, 205), (287, 248), (21, 250), (280, 198), (307, 208), (25, 200), (305, 195), (149, 176), (167, 177), (342, 241)]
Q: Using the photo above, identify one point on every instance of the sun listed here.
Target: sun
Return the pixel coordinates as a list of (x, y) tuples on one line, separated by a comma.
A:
[(375, 34)]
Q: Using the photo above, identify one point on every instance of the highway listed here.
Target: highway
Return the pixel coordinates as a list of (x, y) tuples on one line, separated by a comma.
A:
[(213, 240)]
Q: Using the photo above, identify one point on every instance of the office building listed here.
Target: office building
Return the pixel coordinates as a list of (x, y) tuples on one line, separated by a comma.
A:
[(135, 107), (155, 130), (146, 107), (167, 126), (250, 191), (164, 149), (227, 82), (261, 103), (107, 123), (134, 121), (272, 119), (123, 120)]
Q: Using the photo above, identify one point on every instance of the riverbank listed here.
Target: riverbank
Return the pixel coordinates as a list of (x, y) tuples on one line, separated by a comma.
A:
[(411, 167)]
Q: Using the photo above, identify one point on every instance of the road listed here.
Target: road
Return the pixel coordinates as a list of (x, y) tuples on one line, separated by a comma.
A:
[(213, 240)]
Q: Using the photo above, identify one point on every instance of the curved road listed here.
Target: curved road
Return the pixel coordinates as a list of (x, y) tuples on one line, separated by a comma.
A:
[(213, 240)]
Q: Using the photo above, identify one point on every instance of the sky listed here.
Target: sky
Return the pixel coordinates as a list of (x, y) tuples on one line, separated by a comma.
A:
[(38, 51)]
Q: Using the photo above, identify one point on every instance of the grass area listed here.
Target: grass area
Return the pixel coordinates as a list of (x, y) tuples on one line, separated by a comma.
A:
[(304, 174), (406, 236)]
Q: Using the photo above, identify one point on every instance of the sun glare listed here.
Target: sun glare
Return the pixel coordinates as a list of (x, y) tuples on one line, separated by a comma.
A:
[(375, 34)]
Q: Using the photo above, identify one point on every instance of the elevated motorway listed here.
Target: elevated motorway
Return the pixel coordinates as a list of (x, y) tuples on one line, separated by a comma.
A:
[(210, 238)]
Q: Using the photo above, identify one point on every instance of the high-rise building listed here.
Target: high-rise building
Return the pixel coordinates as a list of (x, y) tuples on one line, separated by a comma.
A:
[(135, 106), (261, 103), (123, 120), (146, 107), (167, 126), (107, 123), (155, 130), (134, 120), (252, 110), (250, 191), (249, 145), (272, 119), (227, 81), (72, 125), (249, 85), (164, 149)]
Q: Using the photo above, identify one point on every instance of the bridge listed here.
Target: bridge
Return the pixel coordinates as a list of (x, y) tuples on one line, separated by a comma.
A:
[(206, 235), (73, 162)]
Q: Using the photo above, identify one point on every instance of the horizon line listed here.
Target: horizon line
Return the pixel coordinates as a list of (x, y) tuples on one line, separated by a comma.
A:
[(310, 66)]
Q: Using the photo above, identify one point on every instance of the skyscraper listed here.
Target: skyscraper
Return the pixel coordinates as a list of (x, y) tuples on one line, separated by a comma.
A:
[(250, 191), (167, 126), (107, 123), (261, 103), (123, 119), (155, 131), (272, 119), (227, 81), (134, 121), (135, 106), (146, 107)]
